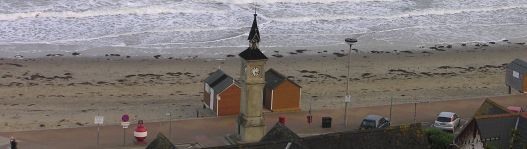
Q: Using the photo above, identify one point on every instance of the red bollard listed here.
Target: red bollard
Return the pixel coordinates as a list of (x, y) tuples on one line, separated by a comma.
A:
[(281, 120), (140, 133)]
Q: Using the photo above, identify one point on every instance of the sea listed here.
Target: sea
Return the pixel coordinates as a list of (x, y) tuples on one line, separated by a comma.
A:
[(216, 28)]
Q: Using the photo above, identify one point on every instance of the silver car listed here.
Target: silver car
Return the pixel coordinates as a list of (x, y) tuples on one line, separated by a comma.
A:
[(447, 121), (374, 121)]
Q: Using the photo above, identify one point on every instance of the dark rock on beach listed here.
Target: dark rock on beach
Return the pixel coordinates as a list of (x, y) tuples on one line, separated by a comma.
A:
[(54, 55), (300, 51), (339, 54)]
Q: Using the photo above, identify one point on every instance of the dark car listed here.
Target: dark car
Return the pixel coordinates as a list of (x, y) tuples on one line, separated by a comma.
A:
[(374, 121)]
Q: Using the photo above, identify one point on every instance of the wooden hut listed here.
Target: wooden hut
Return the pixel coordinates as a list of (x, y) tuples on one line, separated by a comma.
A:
[(280, 93), (221, 94), (516, 77)]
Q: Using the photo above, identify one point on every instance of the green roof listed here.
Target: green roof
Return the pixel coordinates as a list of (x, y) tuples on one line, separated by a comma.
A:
[(279, 132), (489, 107), (161, 142)]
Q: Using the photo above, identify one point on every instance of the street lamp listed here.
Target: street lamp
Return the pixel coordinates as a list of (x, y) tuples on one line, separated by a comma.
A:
[(349, 41), (169, 114)]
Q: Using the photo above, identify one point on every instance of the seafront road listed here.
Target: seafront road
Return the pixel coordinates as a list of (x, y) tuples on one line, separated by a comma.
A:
[(207, 132)]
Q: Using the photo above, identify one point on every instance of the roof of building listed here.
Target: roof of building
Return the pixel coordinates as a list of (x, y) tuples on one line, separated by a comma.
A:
[(161, 142), (497, 130), (260, 145), (489, 107), (519, 62), (273, 78), (279, 132), (252, 54), (219, 81), (495, 125), (518, 65), (405, 136), (214, 76), (224, 84)]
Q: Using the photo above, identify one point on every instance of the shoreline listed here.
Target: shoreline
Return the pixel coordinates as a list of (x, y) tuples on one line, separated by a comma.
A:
[(66, 92), (371, 45)]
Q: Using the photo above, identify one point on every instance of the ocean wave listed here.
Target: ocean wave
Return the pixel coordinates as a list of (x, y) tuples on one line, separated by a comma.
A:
[(295, 1), (389, 17), (146, 10)]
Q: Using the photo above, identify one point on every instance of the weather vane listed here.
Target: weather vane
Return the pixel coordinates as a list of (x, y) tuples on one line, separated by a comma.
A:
[(254, 2)]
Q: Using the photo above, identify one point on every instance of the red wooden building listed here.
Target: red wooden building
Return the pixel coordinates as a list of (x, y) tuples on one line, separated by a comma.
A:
[(280, 93), (221, 94)]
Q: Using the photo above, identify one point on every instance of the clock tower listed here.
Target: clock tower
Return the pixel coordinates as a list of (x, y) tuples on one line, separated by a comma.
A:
[(250, 123)]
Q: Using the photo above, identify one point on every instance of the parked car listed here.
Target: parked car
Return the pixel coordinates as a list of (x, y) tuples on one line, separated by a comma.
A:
[(447, 121), (374, 121)]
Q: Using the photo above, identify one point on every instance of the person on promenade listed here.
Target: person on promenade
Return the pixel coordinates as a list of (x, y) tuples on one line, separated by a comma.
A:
[(13, 143)]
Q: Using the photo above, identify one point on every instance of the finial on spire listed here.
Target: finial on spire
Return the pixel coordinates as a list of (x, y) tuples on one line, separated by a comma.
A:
[(254, 2)]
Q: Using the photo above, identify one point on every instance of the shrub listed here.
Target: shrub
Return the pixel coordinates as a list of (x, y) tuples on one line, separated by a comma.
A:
[(438, 138)]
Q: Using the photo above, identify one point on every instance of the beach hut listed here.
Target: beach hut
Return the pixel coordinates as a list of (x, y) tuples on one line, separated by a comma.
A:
[(221, 94), (516, 77), (280, 93)]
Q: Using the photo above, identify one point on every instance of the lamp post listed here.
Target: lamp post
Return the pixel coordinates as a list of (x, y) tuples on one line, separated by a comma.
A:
[(349, 41), (169, 114)]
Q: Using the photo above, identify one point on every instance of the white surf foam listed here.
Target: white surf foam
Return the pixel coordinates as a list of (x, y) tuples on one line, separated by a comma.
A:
[(296, 1), (160, 26), (402, 15), (147, 10)]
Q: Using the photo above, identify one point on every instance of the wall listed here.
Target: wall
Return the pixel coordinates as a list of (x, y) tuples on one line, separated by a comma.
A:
[(229, 103), (286, 97)]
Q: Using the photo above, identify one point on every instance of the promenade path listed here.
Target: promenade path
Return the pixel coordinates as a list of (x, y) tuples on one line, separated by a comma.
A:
[(209, 132)]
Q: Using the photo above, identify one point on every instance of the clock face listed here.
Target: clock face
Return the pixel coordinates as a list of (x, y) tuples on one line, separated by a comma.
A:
[(255, 71)]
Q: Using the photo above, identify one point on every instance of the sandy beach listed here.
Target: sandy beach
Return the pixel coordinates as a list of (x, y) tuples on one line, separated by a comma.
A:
[(64, 91)]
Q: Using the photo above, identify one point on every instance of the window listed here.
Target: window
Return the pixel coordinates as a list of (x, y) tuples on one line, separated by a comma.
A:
[(444, 119), (516, 74), (368, 124), (384, 121)]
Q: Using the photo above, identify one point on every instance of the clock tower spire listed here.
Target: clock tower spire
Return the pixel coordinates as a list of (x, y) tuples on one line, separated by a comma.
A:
[(250, 123), (254, 35)]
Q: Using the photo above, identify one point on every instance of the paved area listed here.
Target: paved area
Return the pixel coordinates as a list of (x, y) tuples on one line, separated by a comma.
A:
[(208, 132)]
